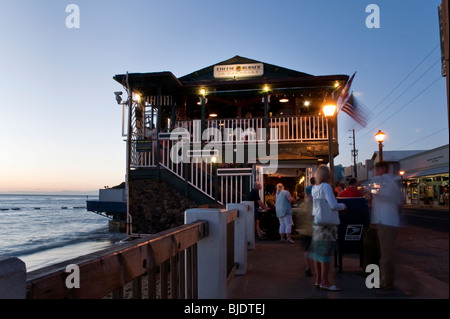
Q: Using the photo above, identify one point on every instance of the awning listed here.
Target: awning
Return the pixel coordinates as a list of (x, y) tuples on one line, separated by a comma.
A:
[(427, 172)]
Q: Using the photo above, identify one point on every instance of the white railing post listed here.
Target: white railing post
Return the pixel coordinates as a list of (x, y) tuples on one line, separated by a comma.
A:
[(250, 224), (211, 253), (240, 237), (13, 278)]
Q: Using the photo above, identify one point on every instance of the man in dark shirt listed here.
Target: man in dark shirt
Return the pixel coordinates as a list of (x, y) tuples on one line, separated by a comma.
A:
[(256, 199)]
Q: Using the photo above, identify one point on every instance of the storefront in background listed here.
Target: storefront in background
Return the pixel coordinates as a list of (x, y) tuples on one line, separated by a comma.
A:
[(426, 177)]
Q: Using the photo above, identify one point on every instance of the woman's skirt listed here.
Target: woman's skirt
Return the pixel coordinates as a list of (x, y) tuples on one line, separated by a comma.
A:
[(322, 244)]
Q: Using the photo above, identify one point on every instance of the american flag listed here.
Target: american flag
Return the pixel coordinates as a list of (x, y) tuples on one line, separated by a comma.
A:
[(347, 103), (355, 110), (345, 94)]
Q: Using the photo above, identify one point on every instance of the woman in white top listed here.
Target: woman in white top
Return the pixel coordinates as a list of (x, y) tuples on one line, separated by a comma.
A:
[(283, 208), (324, 237)]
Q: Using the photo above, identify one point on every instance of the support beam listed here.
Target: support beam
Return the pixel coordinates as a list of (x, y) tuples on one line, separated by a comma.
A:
[(158, 130)]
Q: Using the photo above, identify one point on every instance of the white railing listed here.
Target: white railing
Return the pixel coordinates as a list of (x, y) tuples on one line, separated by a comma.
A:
[(232, 185), (227, 184), (201, 177), (222, 187), (299, 128), (291, 129), (141, 158)]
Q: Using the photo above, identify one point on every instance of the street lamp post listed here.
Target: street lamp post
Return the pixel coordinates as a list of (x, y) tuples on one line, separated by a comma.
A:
[(203, 113), (329, 109), (401, 175), (380, 138)]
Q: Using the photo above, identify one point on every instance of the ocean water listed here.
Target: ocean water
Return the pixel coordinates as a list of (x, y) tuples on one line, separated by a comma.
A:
[(47, 229)]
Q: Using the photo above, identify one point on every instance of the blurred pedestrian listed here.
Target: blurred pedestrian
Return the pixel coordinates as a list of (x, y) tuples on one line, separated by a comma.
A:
[(352, 189), (306, 236), (283, 205), (323, 237), (387, 202), (338, 188), (312, 182)]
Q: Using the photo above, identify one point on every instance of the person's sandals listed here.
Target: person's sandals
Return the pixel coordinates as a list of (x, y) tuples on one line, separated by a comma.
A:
[(330, 288)]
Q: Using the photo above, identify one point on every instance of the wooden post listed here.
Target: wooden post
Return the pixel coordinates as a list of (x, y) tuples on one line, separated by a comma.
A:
[(158, 130), (266, 114), (173, 116), (128, 161), (445, 26), (203, 126), (216, 183)]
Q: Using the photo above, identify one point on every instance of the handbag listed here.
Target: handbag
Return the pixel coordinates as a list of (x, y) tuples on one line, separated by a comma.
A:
[(322, 212)]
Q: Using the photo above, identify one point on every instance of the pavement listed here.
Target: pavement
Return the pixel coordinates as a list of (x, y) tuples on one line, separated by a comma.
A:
[(424, 207), (277, 271)]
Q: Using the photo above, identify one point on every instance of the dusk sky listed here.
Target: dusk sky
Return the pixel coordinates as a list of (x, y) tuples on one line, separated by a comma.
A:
[(60, 126)]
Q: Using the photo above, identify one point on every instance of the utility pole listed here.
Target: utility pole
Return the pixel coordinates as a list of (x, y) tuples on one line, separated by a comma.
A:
[(444, 33), (354, 154)]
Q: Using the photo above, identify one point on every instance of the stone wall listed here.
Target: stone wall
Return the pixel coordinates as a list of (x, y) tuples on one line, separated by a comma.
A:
[(155, 206)]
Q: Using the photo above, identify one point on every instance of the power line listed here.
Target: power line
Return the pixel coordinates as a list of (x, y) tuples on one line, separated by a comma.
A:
[(423, 138), (404, 79), (405, 105), (397, 86), (421, 92), (417, 80), (401, 82)]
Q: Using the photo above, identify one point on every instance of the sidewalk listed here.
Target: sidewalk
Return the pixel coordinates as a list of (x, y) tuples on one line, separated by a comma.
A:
[(277, 271), (423, 207)]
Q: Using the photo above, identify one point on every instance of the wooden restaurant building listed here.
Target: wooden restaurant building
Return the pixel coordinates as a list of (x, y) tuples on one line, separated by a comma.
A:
[(276, 108)]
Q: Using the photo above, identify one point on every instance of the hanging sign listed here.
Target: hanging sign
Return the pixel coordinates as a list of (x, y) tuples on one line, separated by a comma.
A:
[(238, 70), (144, 145)]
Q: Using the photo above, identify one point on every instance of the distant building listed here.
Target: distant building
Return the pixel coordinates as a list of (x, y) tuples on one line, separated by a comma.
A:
[(362, 171), (426, 177), (392, 158), (365, 171), (424, 173)]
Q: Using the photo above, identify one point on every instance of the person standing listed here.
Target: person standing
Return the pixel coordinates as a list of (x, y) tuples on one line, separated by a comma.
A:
[(387, 203), (306, 238), (338, 188), (324, 237), (283, 207), (308, 189), (258, 203), (352, 189)]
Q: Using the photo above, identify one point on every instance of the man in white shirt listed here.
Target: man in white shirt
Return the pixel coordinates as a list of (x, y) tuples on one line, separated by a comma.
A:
[(387, 202)]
